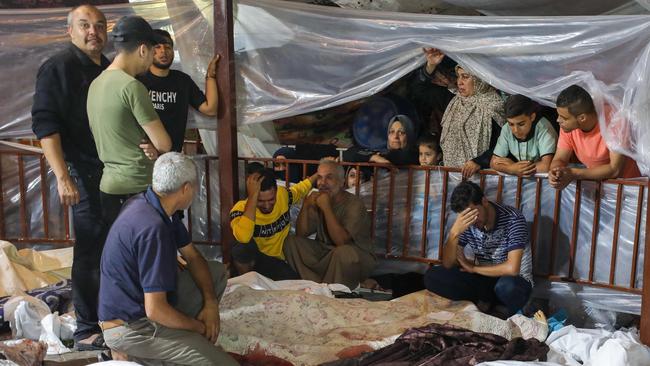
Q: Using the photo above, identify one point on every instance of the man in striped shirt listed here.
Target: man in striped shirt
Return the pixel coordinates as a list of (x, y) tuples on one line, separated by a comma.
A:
[(500, 272)]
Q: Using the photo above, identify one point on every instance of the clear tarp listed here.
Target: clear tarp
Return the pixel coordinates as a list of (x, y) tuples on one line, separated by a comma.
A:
[(33, 225), (546, 7), (28, 38), (292, 58)]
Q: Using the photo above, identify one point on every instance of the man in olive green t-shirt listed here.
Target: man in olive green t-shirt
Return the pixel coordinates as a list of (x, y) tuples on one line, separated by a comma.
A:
[(122, 118)]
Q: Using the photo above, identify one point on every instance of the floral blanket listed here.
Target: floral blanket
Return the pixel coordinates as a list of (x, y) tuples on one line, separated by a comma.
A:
[(308, 329)]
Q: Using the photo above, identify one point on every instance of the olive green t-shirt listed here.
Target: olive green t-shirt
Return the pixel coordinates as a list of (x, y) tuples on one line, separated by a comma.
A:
[(118, 105)]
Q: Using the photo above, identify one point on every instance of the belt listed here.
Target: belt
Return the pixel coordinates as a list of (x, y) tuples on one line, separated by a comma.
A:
[(110, 324)]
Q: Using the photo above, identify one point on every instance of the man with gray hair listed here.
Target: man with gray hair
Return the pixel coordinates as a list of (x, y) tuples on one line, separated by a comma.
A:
[(342, 250), (141, 294)]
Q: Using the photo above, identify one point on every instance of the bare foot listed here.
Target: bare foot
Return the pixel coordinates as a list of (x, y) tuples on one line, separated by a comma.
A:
[(93, 343), (540, 317), (90, 339), (119, 356), (371, 284)]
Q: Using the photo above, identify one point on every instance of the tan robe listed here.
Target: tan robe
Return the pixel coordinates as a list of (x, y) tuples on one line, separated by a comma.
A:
[(321, 261)]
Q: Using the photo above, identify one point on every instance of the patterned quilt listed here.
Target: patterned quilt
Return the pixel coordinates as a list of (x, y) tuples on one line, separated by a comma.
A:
[(308, 329)]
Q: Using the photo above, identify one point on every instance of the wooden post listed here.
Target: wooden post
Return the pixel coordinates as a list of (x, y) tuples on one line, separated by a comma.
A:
[(645, 299), (227, 117)]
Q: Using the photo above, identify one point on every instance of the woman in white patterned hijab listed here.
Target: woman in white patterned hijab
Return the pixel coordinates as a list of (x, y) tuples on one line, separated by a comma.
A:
[(467, 122)]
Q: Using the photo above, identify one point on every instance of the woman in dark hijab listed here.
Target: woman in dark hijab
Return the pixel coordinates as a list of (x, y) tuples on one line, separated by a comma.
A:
[(400, 145)]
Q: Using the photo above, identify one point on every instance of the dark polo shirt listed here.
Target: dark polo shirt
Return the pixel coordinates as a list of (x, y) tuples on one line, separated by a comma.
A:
[(139, 257)]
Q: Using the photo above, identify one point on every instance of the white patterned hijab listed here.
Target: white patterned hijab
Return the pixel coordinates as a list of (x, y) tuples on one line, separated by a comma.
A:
[(467, 123)]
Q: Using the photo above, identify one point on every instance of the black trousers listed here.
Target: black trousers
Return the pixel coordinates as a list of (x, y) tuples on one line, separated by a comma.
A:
[(111, 206), (271, 267), (90, 234), (511, 291)]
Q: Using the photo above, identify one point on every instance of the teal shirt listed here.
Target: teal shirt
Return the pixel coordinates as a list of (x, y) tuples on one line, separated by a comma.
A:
[(543, 142)]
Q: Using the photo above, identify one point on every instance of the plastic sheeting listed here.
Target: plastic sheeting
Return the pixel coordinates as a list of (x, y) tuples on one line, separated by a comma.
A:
[(27, 39), (543, 7), (295, 58), (35, 227), (26, 270), (292, 58), (502, 7), (406, 6)]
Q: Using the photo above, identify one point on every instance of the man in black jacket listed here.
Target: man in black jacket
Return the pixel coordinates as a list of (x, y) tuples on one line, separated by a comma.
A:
[(60, 121)]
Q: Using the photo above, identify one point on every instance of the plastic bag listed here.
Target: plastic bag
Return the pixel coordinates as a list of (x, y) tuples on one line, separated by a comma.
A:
[(30, 318)]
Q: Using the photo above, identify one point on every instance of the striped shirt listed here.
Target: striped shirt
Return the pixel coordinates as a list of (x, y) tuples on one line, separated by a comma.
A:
[(510, 232)]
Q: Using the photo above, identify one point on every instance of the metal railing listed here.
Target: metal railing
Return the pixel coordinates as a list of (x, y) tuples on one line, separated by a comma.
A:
[(630, 195), (393, 218), (13, 168)]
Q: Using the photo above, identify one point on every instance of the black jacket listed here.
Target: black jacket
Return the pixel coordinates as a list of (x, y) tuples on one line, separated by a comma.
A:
[(60, 103)]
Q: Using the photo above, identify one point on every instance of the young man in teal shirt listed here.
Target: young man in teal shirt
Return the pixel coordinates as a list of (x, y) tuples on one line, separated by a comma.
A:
[(527, 143)]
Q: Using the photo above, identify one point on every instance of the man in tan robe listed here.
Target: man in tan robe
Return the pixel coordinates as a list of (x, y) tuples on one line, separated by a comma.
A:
[(342, 250)]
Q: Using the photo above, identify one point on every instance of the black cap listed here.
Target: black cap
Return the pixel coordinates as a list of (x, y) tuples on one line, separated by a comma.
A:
[(133, 28)]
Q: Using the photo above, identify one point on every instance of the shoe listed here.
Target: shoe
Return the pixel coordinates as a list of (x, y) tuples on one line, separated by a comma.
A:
[(346, 295), (104, 356), (97, 345)]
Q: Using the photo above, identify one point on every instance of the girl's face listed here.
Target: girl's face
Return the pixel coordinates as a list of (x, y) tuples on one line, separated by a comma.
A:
[(352, 178), (427, 156)]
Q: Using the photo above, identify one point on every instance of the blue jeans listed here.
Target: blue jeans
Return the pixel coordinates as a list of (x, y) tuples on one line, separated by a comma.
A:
[(90, 234), (511, 291)]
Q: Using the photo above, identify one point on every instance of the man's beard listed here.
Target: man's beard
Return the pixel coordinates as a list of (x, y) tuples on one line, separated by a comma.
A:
[(162, 66)]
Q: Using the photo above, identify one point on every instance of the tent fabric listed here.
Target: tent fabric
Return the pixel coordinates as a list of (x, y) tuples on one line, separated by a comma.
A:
[(27, 269), (293, 58)]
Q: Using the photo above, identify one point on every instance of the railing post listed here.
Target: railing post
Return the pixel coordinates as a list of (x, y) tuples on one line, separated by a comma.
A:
[(645, 297), (227, 117)]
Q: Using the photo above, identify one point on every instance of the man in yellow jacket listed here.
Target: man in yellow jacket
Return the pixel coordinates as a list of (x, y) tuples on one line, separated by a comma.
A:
[(261, 223)]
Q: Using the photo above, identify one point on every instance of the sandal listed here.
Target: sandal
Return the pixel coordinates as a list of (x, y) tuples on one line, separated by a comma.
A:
[(97, 344)]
